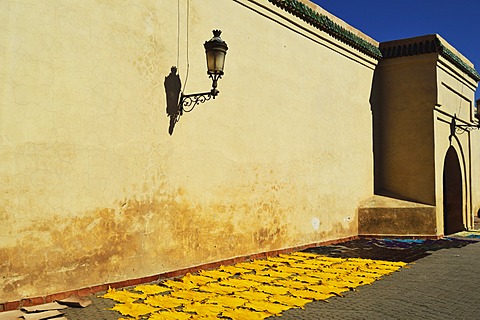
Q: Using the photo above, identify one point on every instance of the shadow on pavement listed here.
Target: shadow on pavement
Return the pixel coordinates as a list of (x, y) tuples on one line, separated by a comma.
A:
[(389, 249)]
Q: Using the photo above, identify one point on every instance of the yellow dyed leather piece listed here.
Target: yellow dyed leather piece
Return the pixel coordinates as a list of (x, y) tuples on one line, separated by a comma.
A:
[(274, 274), (305, 278), (179, 285), (165, 302), (252, 295), (204, 309), (228, 301), (290, 300), (240, 283), (219, 289), (234, 269), (151, 289), (257, 278), (292, 270), (328, 289), (191, 295), (266, 306), (272, 289), (290, 283), (215, 274), (307, 294), (134, 309), (198, 279), (170, 315), (123, 295), (251, 266)]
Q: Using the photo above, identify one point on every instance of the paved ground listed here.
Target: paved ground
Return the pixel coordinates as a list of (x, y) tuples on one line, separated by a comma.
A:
[(442, 283)]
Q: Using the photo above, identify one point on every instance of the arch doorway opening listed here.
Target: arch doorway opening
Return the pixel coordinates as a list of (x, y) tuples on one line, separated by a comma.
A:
[(452, 194)]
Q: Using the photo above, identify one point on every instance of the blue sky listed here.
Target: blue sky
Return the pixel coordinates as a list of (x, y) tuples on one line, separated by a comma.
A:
[(458, 22)]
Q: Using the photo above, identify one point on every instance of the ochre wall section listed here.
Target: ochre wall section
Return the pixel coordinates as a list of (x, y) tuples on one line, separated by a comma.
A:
[(94, 190)]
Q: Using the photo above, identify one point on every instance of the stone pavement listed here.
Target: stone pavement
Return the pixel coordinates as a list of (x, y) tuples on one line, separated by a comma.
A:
[(441, 283)]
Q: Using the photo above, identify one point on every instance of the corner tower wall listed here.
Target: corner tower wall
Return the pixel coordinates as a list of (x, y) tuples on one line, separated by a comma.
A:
[(420, 86)]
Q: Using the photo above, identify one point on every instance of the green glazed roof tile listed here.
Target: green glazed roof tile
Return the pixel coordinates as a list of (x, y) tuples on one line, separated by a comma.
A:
[(447, 53), (324, 23)]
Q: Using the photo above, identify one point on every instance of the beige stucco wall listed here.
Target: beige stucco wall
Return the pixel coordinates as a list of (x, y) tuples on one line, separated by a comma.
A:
[(94, 190)]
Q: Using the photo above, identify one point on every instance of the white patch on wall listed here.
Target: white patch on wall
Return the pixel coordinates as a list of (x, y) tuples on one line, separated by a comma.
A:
[(149, 28), (347, 219), (315, 223)]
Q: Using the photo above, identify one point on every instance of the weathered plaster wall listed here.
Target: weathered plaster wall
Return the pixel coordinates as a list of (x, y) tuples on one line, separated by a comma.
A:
[(94, 190)]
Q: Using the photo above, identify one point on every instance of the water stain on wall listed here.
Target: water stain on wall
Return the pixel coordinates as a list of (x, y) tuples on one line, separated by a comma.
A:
[(137, 238), (338, 229), (159, 229)]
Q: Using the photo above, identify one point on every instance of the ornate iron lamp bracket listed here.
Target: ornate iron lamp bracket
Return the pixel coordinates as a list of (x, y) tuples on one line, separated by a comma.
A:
[(189, 101), (461, 128)]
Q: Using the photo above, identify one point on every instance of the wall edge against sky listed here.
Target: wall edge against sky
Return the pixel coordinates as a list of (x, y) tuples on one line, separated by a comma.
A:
[(324, 23)]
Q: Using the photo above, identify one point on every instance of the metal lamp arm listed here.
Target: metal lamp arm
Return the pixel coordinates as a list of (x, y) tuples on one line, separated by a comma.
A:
[(460, 128), (189, 101)]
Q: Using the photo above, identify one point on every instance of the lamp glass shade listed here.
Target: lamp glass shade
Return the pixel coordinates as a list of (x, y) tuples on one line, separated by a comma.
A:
[(215, 62), (215, 50)]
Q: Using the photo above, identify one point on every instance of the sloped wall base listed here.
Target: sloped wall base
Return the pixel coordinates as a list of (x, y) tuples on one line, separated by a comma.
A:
[(383, 216)]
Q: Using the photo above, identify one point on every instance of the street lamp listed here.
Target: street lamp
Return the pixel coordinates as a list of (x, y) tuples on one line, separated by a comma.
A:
[(215, 50)]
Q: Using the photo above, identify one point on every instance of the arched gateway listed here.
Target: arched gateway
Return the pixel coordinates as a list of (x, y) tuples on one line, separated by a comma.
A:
[(452, 194)]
